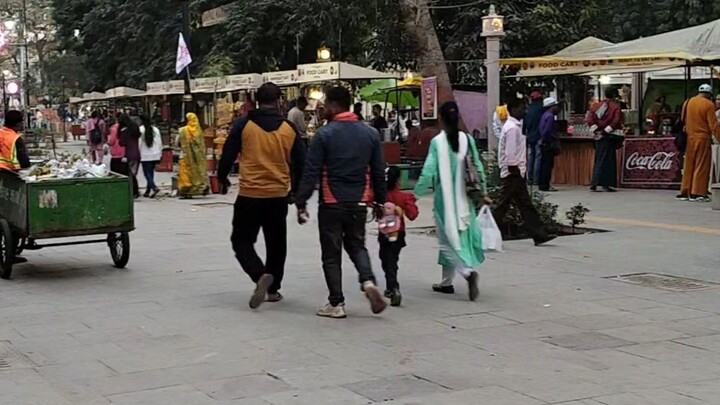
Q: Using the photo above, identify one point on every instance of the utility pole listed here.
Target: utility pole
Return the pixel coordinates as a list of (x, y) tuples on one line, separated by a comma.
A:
[(24, 102), (187, 97)]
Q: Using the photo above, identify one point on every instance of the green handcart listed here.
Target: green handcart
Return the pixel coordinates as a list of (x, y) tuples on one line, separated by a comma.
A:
[(69, 208)]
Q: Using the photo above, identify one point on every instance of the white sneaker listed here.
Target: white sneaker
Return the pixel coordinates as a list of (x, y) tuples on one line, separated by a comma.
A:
[(329, 311)]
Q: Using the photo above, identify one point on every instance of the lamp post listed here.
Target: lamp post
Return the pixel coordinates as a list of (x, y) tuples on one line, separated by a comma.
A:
[(493, 30), (324, 54)]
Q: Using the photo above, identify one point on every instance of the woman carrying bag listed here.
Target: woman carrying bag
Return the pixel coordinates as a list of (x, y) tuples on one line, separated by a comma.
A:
[(454, 169)]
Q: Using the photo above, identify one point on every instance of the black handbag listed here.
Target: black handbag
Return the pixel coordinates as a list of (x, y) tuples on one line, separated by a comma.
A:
[(473, 183), (679, 130)]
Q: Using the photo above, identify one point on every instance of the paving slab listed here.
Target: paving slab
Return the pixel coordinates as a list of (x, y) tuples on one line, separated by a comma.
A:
[(549, 327)]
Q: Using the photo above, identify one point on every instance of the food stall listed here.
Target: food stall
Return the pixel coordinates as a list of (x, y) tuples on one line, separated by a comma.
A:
[(648, 159), (159, 97), (229, 96)]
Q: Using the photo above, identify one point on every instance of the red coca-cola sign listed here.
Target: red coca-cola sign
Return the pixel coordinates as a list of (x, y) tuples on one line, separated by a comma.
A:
[(651, 163)]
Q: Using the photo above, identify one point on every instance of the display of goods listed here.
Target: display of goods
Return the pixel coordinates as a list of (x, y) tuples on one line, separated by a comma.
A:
[(64, 167)]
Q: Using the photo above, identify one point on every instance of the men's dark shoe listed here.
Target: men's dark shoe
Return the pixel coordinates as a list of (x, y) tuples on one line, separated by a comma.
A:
[(473, 289), (682, 197), (552, 189), (147, 194), (593, 189), (609, 189), (699, 198), (394, 296), (443, 289), (20, 260), (544, 239), (274, 297), (154, 193), (258, 296)]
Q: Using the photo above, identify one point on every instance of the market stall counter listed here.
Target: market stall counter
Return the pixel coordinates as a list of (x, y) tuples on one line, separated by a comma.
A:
[(645, 161)]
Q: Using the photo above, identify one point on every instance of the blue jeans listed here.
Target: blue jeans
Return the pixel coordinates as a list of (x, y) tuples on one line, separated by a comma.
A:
[(149, 172), (534, 163)]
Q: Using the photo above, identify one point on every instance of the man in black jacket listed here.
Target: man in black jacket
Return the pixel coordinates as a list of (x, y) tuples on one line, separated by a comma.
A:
[(346, 159)]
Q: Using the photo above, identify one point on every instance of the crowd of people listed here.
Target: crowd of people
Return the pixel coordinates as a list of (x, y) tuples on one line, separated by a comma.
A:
[(345, 159), (278, 169)]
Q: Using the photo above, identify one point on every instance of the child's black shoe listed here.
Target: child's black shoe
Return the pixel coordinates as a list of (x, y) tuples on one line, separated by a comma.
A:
[(394, 296)]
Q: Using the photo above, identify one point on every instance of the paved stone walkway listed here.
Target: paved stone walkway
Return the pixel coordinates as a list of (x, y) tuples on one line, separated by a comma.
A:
[(550, 328)]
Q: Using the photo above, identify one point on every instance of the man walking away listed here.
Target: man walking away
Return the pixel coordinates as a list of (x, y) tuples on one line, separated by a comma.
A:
[(512, 153), (296, 115), (531, 126), (13, 154), (346, 159), (272, 155), (701, 125), (548, 143)]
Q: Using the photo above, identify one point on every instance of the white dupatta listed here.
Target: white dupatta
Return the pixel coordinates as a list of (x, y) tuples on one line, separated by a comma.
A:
[(457, 209)]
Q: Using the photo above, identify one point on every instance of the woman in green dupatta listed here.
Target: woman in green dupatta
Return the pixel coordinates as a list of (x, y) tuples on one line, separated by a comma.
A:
[(192, 176), (444, 170)]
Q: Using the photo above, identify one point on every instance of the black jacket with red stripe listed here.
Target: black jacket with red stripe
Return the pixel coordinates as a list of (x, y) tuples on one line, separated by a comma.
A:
[(345, 157)]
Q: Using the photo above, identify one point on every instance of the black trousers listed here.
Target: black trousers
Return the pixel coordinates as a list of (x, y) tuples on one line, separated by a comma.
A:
[(389, 257), (513, 190), (120, 167), (343, 225), (270, 215), (547, 164)]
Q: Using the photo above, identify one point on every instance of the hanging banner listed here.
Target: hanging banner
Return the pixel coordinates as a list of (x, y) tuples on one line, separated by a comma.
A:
[(651, 163), (428, 99), (215, 16)]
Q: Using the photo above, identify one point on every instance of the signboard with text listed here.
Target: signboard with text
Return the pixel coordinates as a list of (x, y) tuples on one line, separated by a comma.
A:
[(281, 78), (319, 72), (651, 163), (554, 67), (428, 98)]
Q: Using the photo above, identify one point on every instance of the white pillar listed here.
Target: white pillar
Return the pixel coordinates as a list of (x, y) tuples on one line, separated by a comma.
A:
[(492, 65)]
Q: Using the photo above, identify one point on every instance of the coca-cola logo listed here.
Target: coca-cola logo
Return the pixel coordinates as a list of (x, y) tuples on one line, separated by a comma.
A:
[(660, 161)]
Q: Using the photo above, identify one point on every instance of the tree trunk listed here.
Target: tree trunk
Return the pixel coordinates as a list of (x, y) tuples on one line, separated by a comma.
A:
[(429, 54)]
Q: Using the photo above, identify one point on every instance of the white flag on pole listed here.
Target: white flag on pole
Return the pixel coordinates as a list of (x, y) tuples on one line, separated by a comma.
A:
[(183, 55)]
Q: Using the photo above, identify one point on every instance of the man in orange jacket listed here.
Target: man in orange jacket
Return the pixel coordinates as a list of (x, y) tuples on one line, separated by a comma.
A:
[(13, 155), (701, 125)]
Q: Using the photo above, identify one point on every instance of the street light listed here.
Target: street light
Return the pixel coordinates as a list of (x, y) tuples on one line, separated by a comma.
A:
[(324, 54), (493, 29)]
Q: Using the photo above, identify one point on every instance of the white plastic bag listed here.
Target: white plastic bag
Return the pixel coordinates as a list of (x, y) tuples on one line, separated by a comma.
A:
[(491, 235), (107, 157)]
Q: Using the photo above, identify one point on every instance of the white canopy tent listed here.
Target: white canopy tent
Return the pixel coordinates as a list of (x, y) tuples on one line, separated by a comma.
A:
[(329, 71), (123, 92), (695, 44)]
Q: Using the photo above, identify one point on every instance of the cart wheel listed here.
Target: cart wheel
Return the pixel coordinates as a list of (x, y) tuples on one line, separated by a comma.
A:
[(7, 250), (119, 248)]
